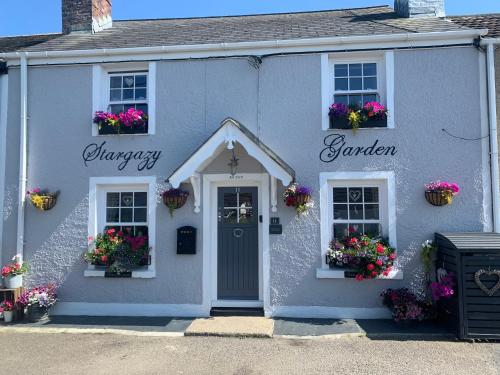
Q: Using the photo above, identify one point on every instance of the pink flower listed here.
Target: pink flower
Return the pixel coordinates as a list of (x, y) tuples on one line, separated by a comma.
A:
[(380, 248), (392, 256), (379, 262), (359, 277), (370, 267)]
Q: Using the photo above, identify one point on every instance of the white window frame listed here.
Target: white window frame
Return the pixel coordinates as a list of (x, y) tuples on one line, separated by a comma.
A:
[(385, 81), (127, 73), (101, 74), (384, 180), (98, 187)]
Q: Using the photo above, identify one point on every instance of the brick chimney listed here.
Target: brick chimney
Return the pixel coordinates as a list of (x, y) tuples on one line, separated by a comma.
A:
[(419, 8), (86, 15)]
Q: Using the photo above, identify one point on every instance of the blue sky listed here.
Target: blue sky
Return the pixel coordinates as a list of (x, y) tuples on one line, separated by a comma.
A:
[(23, 17)]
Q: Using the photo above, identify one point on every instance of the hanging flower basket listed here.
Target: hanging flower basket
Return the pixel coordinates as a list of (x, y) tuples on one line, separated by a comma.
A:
[(440, 193), (297, 196), (42, 199), (174, 199)]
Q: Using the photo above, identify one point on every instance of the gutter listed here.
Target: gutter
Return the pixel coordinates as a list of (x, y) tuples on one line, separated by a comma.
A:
[(492, 114), (273, 44), (23, 150)]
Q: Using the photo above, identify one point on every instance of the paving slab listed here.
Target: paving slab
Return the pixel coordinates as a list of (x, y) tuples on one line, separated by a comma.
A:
[(317, 328), (232, 326)]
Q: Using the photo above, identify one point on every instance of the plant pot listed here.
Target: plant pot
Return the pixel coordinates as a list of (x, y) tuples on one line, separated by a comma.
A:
[(374, 123), (339, 123), (175, 202), (36, 313), (302, 199), (13, 282), (8, 316), (105, 129), (49, 201), (437, 198)]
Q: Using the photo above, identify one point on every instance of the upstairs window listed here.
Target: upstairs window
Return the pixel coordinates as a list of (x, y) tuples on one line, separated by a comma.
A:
[(128, 90), (356, 84)]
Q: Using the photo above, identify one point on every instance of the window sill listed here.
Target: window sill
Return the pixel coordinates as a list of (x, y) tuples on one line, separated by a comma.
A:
[(339, 274), (140, 274)]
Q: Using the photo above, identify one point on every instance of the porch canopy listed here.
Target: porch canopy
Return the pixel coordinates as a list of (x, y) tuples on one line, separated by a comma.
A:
[(229, 133)]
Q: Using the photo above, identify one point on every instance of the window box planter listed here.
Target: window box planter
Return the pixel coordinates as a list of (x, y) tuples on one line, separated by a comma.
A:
[(116, 275), (130, 122), (343, 123)]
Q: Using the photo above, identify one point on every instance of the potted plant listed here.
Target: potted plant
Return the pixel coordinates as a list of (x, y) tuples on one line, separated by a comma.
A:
[(299, 197), (174, 199), (13, 274), (371, 115), (38, 301), (42, 199), (440, 193), (7, 308), (405, 306), (366, 257), (118, 252), (132, 121)]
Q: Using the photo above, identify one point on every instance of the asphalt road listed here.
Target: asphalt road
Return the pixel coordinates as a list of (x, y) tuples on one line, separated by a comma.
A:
[(23, 353)]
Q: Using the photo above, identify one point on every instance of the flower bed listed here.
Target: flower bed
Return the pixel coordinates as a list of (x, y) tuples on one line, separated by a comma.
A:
[(132, 121), (117, 251), (440, 193), (405, 306), (42, 199), (174, 199), (366, 257), (299, 197), (371, 115)]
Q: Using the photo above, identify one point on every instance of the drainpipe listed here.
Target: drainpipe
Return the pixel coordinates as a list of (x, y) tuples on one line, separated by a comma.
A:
[(23, 150), (492, 114)]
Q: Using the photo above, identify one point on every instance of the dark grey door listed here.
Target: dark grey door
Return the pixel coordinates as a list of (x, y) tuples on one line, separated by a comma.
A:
[(238, 244)]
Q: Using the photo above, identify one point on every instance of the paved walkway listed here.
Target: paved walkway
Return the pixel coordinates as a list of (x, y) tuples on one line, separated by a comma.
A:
[(234, 326)]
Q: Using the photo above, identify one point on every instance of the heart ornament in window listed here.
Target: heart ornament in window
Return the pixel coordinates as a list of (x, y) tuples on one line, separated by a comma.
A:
[(489, 291), (129, 82), (127, 201), (355, 195)]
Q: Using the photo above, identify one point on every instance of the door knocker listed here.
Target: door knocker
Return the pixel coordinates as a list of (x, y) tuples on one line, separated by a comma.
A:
[(238, 232)]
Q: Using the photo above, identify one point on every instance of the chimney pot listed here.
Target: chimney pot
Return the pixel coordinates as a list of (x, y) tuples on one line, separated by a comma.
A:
[(86, 15), (419, 8)]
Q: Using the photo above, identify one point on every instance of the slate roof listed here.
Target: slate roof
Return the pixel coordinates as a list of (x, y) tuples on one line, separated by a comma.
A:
[(188, 31), (481, 21), (14, 43)]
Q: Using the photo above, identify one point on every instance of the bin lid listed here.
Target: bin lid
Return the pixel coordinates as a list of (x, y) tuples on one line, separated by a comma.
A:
[(467, 241)]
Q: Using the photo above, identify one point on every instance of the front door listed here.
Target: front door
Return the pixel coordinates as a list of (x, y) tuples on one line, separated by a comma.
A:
[(237, 244)]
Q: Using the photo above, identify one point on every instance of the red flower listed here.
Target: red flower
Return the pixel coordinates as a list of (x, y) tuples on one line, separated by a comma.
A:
[(120, 233), (110, 232), (104, 259), (17, 266), (379, 262), (370, 267), (392, 256), (380, 248), (359, 277), (386, 273), (374, 273), (352, 230)]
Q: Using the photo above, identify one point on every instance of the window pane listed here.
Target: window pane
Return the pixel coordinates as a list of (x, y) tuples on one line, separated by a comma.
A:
[(127, 199), (371, 212), (355, 70), (371, 194), (340, 70), (355, 84), (355, 195), (356, 100), (140, 199), (370, 69), (341, 99), (230, 199), (116, 108), (339, 231), (340, 211), (340, 195), (128, 94), (246, 215), (230, 216), (370, 98), (140, 231), (341, 84), (113, 199), (373, 230), (140, 94), (112, 215), (126, 215), (140, 81), (355, 229), (115, 82), (245, 200), (140, 215), (355, 212), (142, 107), (370, 83), (128, 81), (115, 95)]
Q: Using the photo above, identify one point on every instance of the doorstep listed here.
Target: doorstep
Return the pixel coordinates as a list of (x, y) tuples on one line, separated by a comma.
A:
[(232, 326)]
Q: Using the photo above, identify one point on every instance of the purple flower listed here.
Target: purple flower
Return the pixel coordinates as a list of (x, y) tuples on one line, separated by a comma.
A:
[(338, 110)]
